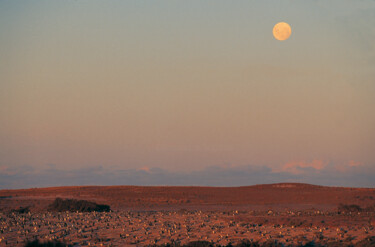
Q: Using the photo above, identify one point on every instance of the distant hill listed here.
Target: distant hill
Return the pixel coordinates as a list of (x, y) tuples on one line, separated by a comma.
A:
[(275, 196)]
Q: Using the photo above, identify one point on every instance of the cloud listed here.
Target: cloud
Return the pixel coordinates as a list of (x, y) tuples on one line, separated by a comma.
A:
[(348, 167), (353, 163), (314, 172), (146, 169), (300, 167)]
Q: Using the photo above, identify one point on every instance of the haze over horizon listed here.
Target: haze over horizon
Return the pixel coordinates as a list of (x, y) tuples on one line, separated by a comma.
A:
[(186, 93)]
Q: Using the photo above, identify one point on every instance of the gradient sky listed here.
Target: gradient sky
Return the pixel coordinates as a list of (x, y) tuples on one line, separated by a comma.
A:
[(187, 86)]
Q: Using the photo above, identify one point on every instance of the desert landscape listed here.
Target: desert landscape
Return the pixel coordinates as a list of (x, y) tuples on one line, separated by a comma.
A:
[(187, 123), (288, 214)]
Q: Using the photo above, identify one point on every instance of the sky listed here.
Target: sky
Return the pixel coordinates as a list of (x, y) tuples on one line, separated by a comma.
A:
[(186, 93)]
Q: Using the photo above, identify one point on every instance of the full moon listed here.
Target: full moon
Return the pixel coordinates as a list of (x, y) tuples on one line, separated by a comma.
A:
[(282, 31)]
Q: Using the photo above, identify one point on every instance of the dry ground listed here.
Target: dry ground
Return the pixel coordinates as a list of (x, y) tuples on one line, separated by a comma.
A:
[(293, 214)]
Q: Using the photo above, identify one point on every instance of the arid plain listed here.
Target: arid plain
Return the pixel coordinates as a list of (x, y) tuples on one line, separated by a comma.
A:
[(287, 214)]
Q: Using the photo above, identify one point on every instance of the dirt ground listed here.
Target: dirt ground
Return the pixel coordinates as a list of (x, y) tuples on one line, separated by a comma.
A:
[(291, 214)]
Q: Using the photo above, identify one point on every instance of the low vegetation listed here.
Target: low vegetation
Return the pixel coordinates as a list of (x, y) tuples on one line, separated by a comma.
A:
[(344, 208), (367, 242), (37, 243), (353, 208), (73, 205), (21, 210)]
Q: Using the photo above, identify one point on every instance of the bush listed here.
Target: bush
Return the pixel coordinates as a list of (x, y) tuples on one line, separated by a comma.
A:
[(199, 244), (247, 243), (21, 210), (36, 243), (73, 205), (367, 242), (344, 208)]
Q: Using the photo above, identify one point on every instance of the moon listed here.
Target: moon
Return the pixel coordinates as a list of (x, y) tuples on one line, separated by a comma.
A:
[(282, 31)]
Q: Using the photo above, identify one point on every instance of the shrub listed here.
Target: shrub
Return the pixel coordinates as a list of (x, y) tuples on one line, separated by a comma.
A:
[(344, 208), (36, 243), (199, 244), (73, 205), (22, 210)]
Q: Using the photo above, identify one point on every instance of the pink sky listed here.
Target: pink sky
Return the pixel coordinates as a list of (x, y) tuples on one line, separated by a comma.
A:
[(187, 86)]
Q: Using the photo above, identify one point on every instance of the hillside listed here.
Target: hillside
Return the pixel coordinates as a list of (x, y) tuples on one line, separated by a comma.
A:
[(270, 196)]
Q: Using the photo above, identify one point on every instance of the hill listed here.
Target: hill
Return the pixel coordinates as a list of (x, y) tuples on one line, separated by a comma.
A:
[(270, 196)]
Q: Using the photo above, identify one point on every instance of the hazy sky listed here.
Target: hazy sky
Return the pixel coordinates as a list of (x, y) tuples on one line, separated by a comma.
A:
[(187, 86)]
